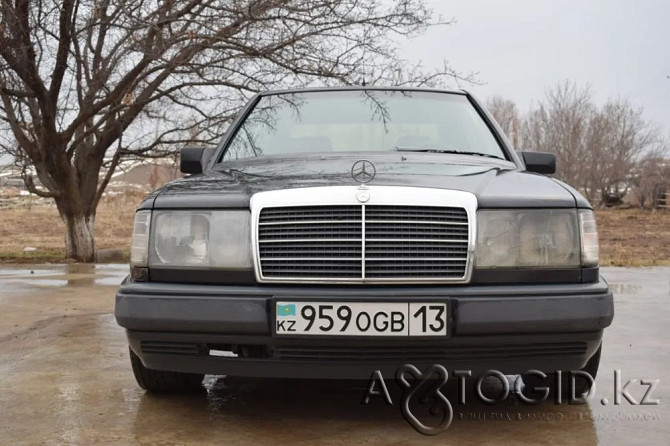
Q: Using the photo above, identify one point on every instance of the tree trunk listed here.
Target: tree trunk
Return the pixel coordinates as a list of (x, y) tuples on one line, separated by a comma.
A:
[(79, 240)]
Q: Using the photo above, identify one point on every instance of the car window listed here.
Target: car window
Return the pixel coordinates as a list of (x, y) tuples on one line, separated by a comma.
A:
[(372, 120)]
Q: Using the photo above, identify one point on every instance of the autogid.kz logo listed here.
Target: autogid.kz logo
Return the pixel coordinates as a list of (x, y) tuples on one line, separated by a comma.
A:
[(429, 411), (425, 388)]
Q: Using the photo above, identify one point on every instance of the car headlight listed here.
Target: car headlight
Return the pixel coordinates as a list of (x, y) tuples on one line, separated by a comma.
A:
[(529, 238), (218, 239)]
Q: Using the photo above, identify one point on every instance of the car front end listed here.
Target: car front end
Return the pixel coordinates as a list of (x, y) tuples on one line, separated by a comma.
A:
[(334, 265)]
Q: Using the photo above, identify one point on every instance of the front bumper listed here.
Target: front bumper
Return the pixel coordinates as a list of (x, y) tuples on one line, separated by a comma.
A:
[(510, 328)]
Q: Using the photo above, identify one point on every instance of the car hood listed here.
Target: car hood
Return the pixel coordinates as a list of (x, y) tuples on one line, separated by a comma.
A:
[(495, 183)]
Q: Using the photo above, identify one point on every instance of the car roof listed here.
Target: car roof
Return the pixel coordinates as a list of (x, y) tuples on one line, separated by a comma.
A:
[(360, 88)]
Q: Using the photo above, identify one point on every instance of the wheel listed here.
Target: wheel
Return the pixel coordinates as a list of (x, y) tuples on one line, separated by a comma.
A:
[(582, 386), (160, 381)]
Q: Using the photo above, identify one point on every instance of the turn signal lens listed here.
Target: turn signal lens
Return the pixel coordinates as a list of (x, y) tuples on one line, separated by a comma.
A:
[(589, 235), (139, 245)]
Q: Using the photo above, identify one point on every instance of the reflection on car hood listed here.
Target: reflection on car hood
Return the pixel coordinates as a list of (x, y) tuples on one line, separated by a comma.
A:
[(495, 183)]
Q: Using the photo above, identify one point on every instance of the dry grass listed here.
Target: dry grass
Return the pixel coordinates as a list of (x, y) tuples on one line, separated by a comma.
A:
[(631, 237), (627, 236), (40, 226)]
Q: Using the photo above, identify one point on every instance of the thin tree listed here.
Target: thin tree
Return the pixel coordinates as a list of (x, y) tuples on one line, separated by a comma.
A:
[(651, 176), (506, 114), (86, 83), (618, 138), (559, 125)]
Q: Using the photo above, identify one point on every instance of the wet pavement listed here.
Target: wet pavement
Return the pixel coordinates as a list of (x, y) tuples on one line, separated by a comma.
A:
[(65, 379)]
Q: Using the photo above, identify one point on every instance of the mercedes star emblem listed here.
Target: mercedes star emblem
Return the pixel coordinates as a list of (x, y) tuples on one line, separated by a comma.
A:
[(363, 171)]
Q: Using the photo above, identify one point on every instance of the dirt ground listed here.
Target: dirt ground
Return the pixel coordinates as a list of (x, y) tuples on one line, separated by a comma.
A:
[(65, 378), (631, 237), (628, 237)]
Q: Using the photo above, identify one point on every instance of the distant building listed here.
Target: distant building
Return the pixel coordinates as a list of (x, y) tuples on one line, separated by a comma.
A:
[(10, 177), (145, 175), (130, 174)]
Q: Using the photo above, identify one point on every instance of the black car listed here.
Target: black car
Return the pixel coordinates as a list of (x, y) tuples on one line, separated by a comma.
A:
[(335, 232)]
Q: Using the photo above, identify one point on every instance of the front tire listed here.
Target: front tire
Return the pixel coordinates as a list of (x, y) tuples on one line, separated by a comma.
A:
[(161, 381)]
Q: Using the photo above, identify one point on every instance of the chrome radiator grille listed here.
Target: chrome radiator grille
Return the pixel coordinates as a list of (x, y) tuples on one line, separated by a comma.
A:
[(363, 242)]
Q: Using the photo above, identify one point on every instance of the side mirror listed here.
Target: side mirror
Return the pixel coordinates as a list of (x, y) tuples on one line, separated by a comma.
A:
[(191, 160), (539, 162)]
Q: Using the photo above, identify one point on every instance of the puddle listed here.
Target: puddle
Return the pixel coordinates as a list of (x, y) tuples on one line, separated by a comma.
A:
[(25, 277), (110, 281), (20, 272), (48, 282)]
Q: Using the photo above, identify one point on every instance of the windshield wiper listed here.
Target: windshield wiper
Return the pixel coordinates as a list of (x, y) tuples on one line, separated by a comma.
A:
[(237, 173), (434, 150)]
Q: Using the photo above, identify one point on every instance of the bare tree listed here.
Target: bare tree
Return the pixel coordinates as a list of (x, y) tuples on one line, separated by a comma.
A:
[(618, 137), (559, 125), (85, 83), (598, 148), (506, 114), (603, 151), (651, 177)]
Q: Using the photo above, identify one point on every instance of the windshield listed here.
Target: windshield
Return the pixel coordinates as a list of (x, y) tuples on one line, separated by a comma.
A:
[(362, 120)]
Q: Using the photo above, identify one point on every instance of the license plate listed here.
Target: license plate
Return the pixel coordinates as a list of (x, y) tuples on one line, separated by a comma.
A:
[(360, 318)]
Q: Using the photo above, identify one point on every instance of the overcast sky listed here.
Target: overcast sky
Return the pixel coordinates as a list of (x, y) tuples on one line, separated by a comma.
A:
[(519, 48)]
